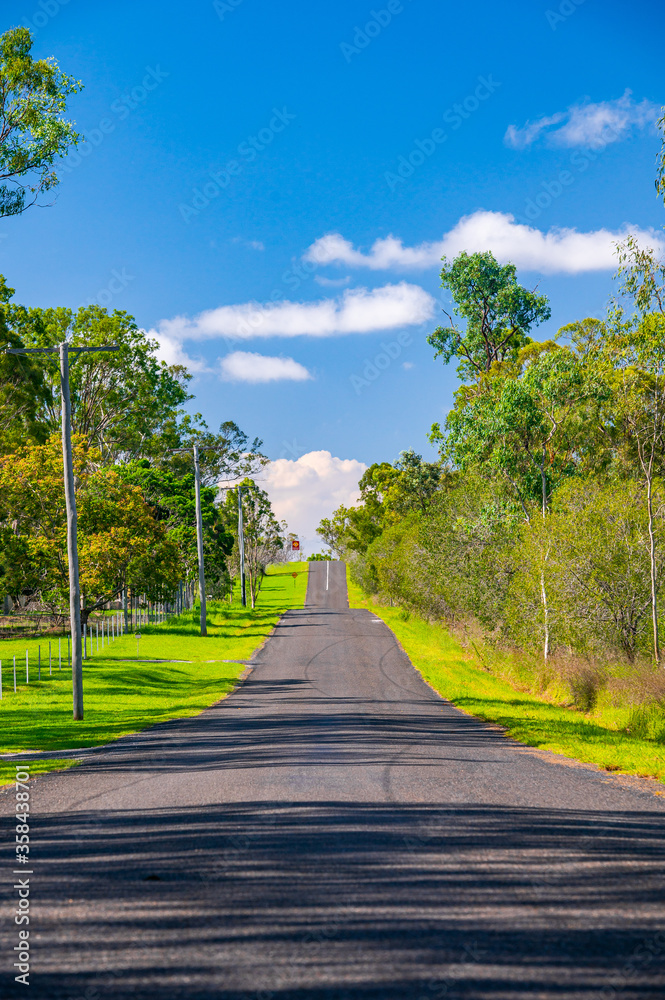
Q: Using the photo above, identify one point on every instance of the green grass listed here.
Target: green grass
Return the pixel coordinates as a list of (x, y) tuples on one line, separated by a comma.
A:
[(123, 695), (454, 673)]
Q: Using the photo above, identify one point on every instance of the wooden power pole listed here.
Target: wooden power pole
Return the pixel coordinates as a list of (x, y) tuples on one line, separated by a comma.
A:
[(64, 350)]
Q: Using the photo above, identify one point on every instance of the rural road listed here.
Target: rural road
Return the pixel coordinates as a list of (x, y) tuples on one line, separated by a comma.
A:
[(334, 829)]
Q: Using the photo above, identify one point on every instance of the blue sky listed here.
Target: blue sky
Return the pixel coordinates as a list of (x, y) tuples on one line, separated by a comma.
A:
[(227, 139)]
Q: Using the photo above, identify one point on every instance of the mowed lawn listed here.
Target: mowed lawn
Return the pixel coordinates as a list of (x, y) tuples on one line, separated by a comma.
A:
[(455, 674), (122, 694)]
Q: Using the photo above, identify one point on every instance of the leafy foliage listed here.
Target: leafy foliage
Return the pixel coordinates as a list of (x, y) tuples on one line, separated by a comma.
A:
[(542, 523), (171, 498), (121, 542), (263, 534), (124, 402), (33, 130), (521, 422), (23, 393), (499, 313)]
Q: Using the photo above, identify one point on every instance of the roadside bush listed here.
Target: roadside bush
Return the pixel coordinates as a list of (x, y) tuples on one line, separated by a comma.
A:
[(647, 722), (585, 684)]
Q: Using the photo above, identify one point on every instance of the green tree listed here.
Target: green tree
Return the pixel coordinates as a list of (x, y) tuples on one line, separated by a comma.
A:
[(225, 456), (387, 494), (521, 422), (411, 485), (126, 402), (171, 498), (499, 313), (599, 572), (33, 130), (352, 529), (23, 390), (121, 543), (263, 533), (452, 561), (333, 531), (636, 354)]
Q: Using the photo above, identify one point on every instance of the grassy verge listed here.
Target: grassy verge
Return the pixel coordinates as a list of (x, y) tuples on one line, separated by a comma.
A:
[(454, 673), (123, 695)]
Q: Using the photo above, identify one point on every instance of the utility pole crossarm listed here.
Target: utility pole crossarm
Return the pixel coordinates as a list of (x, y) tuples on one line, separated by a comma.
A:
[(56, 350)]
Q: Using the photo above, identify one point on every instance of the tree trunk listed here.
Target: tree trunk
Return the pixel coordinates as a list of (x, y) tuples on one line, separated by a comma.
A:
[(543, 591), (652, 561), (546, 615)]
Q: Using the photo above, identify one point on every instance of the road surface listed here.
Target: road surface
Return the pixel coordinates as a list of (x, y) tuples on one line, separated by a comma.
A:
[(334, 829)]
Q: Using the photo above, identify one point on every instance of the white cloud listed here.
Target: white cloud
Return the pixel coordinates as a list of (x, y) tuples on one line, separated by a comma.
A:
[(565, 251), (171, 351), (331, 282), (311, 487), (385, 253), (357, 310), (586, 125), (519, 138), (244, 366)]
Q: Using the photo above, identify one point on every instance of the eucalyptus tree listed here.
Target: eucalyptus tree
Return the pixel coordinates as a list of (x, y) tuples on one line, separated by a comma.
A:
[(635, 354), (125, 403), (263, 533), (499, 313), (520, 422), (34, 132), (660, 165)]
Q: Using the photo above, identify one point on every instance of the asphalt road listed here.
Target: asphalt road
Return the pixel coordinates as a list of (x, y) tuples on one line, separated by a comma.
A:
[(334, 829)]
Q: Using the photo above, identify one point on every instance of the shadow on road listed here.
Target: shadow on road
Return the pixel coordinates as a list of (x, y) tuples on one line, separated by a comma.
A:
[(275, 900), (343, 734)]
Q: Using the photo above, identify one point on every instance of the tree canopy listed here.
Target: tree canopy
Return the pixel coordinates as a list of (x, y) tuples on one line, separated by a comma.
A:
[(122, 544), (499, 313), (33, 130)]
